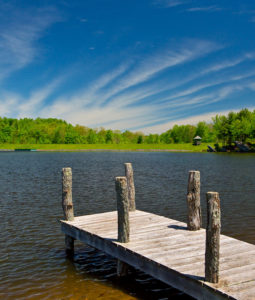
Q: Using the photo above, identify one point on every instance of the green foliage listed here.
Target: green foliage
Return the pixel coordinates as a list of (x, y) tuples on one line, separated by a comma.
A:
[(226, 129), (182, 133), (238, 126), (205, 131)]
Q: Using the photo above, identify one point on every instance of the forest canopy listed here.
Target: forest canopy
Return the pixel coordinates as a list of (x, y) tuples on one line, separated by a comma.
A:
[(226, 129)]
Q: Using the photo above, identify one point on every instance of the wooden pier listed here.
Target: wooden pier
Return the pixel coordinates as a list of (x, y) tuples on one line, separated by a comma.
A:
[(202, 263)]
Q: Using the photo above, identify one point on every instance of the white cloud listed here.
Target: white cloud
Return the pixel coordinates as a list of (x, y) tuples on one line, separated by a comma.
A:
[(18, 35), (129, 103), (223, 65), (211, 8), (115, 87), (140, 92), (152, 66), (193, 120), (111, 117), (34, 104), (170, 3), (8, 102)]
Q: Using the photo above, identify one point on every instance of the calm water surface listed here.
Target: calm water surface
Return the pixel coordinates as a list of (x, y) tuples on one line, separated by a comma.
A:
[(32, 260)]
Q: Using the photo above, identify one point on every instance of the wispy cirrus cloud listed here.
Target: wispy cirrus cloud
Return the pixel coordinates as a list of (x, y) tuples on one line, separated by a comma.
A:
[(224, 65), (19, 32), (170, 3), (154, 65), (35, 102), (120, 90), (207, 117), (112, 87), (129, 96), (211, 8), (142, 91)]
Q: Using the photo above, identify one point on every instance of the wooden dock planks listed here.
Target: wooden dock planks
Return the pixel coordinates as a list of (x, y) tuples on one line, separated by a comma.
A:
[(166, 250)]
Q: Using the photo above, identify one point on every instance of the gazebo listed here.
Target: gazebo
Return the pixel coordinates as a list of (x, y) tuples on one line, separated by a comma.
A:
[(197, 140)]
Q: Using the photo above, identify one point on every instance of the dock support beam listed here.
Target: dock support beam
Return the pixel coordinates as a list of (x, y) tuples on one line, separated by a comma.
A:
[(194, 221), (130, 184), (123, 219), (67, 204), (212, 252)]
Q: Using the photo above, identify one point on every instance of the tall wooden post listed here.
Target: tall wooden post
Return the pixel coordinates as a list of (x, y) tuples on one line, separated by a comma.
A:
[(123, 219), (123, 209), (131, 187), (193, 201), (67, 204), (212, 252)]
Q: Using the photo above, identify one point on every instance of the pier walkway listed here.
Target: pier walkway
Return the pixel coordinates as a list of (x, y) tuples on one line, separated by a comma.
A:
[(166, 250)]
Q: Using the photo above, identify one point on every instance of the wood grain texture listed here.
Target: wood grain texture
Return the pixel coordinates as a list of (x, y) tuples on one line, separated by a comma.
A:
[(171, 253), (194, 221), (131, 186), (67, 202), (123, 209), (123, 204), (212, 252), (67, 205)]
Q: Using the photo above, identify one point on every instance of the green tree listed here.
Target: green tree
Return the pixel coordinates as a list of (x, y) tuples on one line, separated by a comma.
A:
[(109, 137), (92, 137)]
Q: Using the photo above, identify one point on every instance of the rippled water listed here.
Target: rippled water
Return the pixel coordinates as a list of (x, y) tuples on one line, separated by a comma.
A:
[(32, 260)]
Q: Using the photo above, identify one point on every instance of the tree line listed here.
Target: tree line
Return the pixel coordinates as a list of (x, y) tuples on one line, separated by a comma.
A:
[(226, 129)]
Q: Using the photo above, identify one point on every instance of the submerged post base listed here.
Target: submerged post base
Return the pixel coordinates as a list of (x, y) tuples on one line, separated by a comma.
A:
[(122, 268), (69, 242)]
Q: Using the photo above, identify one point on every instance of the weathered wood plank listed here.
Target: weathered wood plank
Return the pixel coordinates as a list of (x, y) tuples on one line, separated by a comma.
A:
[(107, 228), (94, 218), (178, 249), (239, 274), (169, 276), (136, 225), (172, 254), (197, 268), (226, 263), (250, 285)]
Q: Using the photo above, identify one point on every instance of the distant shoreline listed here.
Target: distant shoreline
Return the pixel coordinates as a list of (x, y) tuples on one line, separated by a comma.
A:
[(98, 150), (104, 147), (182, 148)]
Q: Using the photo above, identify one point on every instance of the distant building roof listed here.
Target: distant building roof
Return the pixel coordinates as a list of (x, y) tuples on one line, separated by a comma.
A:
[(197, 138)]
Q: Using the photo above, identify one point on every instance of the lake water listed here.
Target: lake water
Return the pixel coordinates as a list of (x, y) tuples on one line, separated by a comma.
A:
[(32, 260)]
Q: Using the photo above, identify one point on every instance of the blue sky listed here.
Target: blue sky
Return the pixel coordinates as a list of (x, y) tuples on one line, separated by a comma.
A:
[(128, 65)]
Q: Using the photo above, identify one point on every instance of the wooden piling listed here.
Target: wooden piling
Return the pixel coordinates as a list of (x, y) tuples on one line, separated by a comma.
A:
[(212, 252), (194, 221), (67, 204), (123, 219), (130, 184), (123, 209)]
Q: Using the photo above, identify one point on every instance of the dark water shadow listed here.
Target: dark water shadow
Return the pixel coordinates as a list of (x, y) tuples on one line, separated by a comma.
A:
[(177, 227), (95, 265)]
